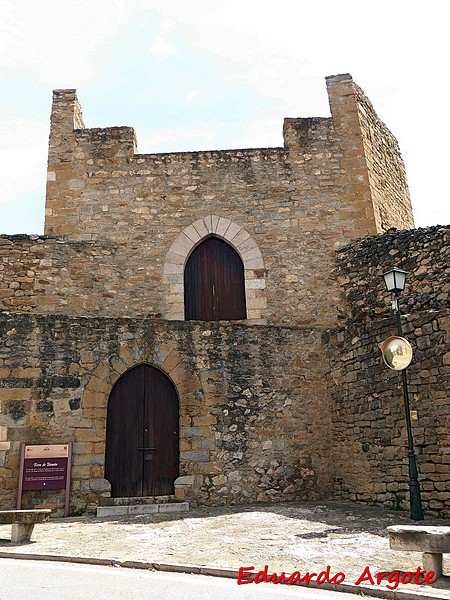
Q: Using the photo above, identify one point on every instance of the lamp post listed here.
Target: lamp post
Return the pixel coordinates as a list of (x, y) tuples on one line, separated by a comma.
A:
[(395, 280)]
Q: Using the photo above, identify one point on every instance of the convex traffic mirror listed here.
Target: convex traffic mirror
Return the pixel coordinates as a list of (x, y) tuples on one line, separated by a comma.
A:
[(397, 352)]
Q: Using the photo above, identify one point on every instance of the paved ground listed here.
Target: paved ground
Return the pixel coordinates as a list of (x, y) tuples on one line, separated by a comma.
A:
[(306, 536)]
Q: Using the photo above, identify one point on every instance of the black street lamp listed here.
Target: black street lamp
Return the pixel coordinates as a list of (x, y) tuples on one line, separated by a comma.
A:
[(395, 280)]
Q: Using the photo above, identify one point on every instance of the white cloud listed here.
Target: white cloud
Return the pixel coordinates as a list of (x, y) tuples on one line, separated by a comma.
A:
[(8, 27), (193, 95), (166, 26), (60, 44), (162, 48), (23, 156), (277, 54)]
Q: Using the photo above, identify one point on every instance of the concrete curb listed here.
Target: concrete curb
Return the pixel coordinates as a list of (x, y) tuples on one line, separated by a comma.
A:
[(374, 591)]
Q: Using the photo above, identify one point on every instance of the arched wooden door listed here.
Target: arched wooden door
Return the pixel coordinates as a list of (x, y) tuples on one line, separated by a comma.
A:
[(142, 432), (214, 283)]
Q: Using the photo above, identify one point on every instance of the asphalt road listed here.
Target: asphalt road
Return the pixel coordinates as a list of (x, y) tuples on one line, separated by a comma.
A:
[(40, 580)]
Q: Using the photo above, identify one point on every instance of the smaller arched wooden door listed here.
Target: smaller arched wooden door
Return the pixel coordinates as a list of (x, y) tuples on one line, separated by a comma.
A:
[(214, 283), (142, 434)]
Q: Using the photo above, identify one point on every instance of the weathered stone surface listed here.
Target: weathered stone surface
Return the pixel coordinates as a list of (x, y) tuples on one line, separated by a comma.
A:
[(126, 222), (368, 414), (103, 291), (24, 517), (419, 538), (255, 423), (424, 253)]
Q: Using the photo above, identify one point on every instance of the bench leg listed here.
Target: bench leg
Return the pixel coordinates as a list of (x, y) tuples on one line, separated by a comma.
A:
[(432, 562), (21, 532)]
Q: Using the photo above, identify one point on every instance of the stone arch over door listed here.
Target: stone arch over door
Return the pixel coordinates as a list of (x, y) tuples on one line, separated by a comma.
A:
[(183, 245), (90, 436)]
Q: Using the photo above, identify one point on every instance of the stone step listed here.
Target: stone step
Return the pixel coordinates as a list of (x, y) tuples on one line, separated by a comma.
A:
[(137, 500), (142, 509)]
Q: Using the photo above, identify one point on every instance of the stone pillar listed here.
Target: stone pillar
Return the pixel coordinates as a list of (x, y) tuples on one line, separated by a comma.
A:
[(372, 161), (63, 186), (21, 532), (432, 561), (66, 112), (354, 177)]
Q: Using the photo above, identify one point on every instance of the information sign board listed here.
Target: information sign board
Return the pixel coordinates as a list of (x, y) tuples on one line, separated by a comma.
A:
[(45, 467)]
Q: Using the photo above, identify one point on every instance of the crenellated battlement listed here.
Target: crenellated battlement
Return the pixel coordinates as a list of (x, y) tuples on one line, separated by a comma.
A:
[(336, 179), (352, 155)]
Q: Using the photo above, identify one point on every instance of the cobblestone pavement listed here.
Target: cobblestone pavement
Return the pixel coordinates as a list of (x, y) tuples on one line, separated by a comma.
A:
[(303, 536)]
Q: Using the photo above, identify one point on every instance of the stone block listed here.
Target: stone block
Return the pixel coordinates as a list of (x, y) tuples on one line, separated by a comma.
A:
[(26, 372), (184, 480), (98, 385), (201, 228), (253, 284), (15, 393), (111, 511), (174, 507), (239, 239), (100, 485), (143, 509), (195, 456), (93, 399), (171, 362), (222, 226), (192, 234)]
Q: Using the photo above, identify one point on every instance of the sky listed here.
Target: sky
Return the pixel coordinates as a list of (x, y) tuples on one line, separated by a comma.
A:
[(213, 75)]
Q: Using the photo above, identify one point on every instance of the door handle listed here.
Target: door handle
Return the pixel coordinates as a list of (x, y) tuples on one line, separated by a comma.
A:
[(146, 449)]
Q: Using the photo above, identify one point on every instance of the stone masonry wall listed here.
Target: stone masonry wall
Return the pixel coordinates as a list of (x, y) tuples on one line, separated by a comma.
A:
[(387, 175), (249, 400), (424, 253), (371, 158), (297, 204), (143, 202), (369, 428), (44, 274), (102, 291), (54, 275)]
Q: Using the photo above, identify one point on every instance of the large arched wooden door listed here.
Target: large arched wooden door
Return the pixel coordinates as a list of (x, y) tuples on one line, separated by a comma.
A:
[(142, 433), (214, 283)]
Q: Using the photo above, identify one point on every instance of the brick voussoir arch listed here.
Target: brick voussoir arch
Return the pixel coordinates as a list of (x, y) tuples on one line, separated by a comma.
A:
[(239, 239)]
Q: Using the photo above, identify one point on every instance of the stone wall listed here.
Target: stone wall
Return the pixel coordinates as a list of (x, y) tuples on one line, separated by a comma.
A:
[(296, 204), (45, 274), (387, 175), (368, 412), (424, 253), (20, 257), (102, 291), (249, 400), (48, 275), (371, 158)]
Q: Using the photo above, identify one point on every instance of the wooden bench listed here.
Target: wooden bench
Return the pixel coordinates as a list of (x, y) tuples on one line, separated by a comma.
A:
[(431, 541), (23, 522)]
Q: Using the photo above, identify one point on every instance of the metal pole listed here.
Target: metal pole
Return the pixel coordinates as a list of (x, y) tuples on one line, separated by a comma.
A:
[(415, 500)]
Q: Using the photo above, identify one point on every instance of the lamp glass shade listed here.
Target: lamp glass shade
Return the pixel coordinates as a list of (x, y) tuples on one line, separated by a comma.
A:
[(395, 279)]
